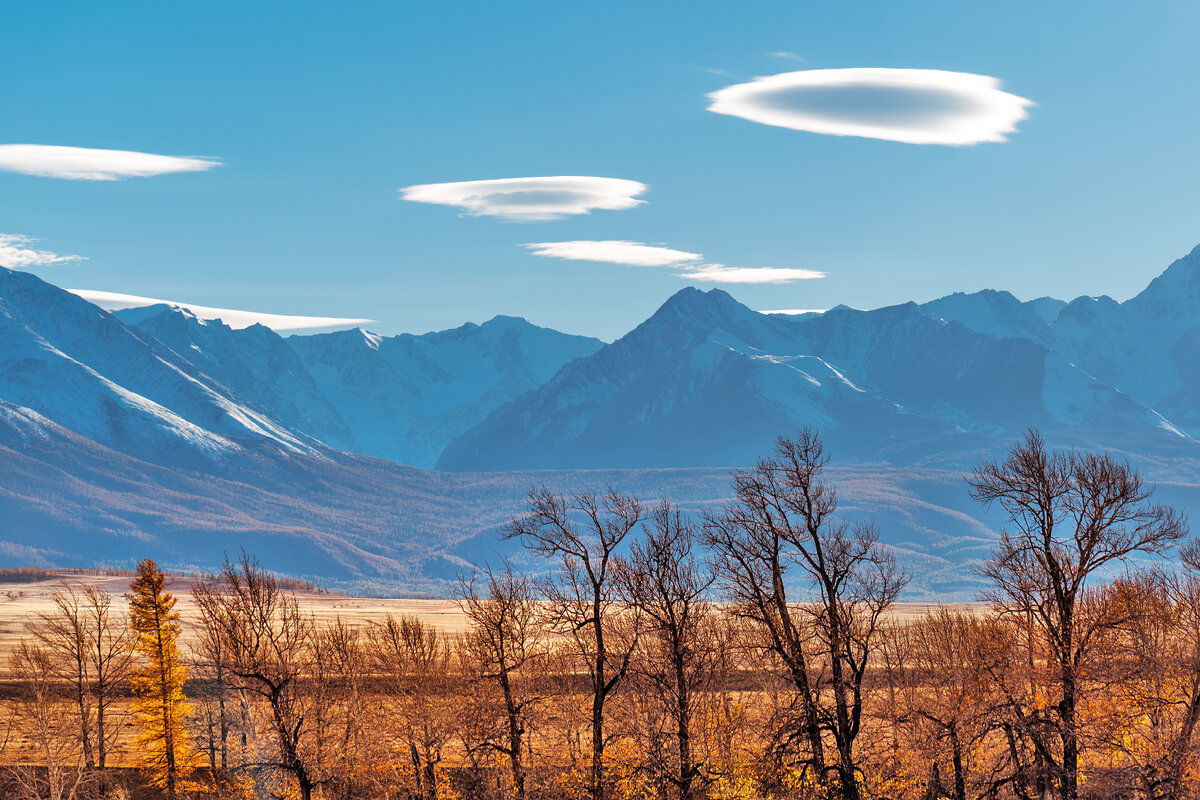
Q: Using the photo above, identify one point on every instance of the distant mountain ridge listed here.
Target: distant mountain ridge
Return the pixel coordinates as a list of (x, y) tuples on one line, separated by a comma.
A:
[(402, 398), (708, 382), (152, 432)]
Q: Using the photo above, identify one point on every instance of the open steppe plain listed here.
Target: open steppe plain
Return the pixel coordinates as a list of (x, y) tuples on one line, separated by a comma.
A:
[(21, 602)]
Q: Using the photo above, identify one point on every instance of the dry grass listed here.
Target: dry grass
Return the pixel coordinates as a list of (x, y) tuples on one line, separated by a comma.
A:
[(21, 601)]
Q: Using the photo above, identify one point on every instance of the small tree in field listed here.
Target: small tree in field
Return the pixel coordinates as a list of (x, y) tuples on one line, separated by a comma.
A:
[(159, 704)]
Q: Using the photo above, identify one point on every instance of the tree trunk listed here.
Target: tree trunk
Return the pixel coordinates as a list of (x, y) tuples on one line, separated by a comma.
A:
[(960, 778), (224, 719), (515, 732), (684, 731)]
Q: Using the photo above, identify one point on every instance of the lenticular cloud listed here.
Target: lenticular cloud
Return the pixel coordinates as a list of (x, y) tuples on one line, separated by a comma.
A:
[(916, 106), (719, 273), (634, 254), (234, 318), (691, 265), (531, 199), (88, 164)]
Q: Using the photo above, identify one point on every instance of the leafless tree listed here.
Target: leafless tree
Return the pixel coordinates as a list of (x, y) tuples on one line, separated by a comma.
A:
[(209, 663), (269, 644), (91, 648), (415, 659), (1072, 518), (504, 644), (338, 744), (584, 534), (44, 721), (941, 690), (783, 516), (678, 658)]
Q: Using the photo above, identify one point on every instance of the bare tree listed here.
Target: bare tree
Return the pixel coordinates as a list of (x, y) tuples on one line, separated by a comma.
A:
[(90, 647), (43, 719), (268, 641), (783, 516), (584, 534), (209, 663), (679, 653), (1072, 517), (504, 643), (415, 658), (338, 743), (1150, 669), (941, 691)]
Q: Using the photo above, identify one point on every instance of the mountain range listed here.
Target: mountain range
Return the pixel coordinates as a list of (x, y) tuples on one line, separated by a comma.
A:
[(152, 432)]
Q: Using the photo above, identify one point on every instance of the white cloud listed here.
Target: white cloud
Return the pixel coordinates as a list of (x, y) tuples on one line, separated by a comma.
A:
[(87, 164), (634, 254), (719, 273), (531, 199), (794, 312), (15, 251), (231, 317), (917, 106), (637, 254)]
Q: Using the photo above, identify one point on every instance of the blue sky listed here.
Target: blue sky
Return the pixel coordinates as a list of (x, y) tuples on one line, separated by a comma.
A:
[(320, 113)]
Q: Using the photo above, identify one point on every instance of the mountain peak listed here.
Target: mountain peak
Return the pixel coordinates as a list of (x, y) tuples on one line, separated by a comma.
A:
[(1175, 293)]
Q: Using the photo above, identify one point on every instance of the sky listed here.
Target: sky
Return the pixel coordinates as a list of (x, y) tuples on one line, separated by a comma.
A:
[(320, 160)]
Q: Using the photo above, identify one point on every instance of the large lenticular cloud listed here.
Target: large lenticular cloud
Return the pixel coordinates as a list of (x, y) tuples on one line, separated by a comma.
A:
[(916, 106), (531, 199), (88, 164)]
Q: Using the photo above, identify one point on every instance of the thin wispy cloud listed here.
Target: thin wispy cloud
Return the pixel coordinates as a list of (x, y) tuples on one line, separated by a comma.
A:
[(17, 251), (719, 273), (234, 318), (785, 55), (916, 106), (633, 254), (691, 266), (531, 199), (88, 164)]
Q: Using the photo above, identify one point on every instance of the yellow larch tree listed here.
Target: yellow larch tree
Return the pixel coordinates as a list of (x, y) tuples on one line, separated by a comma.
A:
[(159, 703)]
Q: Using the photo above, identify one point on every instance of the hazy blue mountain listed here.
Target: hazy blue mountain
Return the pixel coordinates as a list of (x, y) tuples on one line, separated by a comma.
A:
[(404, 398), (84, 369), (257, 363), (150, 432), (709, 382), (1147, 347), (361, 524)]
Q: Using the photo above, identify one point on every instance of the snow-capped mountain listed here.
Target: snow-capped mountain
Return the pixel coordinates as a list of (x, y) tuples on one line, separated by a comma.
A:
[(709, 382), (255, 362), (404, 398), (81, 367), (1148, 346), (151, 432)]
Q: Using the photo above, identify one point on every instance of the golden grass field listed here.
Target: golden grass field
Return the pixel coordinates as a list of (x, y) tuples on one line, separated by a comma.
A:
[(22, 602)]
